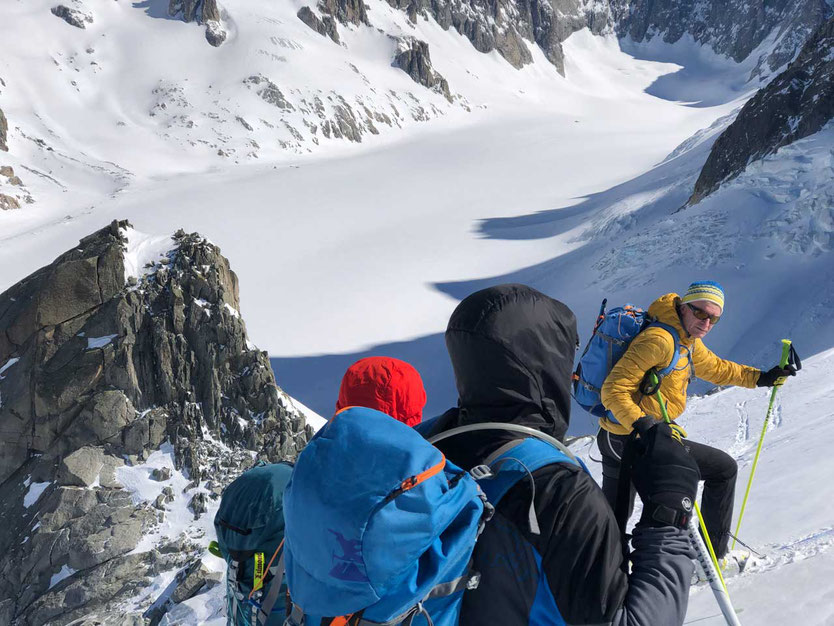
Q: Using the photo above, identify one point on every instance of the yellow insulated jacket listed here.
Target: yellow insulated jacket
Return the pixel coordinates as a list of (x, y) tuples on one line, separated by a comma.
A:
[(654, 348)]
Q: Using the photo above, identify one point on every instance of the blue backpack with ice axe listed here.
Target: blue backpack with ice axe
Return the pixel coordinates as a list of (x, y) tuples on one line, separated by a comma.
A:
[(613, 332), (380, 527)]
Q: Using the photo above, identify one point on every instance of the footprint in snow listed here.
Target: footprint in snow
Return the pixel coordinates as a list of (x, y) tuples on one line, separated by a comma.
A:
[(742, 430)]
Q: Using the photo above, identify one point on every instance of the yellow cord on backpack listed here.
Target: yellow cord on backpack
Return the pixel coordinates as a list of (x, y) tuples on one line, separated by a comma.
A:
[(258, 578)]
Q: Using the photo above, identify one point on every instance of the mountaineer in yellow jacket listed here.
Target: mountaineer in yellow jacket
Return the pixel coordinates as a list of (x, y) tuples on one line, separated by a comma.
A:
[(693, 316)]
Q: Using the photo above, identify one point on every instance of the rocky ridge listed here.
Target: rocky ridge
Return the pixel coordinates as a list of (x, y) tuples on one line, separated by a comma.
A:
[(102, 366), (504, 25), (797, 103), (734, 28), (346, 11)]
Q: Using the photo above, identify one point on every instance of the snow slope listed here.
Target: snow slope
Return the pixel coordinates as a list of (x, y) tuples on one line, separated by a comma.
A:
[(789, 515)]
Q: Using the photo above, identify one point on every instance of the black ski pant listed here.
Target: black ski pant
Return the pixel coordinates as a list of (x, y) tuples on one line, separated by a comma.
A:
[(718, 471)]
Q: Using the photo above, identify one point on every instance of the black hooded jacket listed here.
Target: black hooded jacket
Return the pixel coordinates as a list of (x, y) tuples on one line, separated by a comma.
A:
[(512, 350)]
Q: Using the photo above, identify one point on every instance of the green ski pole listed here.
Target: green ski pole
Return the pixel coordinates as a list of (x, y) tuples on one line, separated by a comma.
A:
[(786, 350), (704, 552)]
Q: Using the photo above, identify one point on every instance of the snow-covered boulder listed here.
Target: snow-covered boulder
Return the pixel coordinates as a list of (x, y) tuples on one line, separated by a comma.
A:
[(76, 16)]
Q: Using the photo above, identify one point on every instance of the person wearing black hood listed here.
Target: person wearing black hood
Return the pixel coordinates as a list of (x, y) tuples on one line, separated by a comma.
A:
[(512, 350)]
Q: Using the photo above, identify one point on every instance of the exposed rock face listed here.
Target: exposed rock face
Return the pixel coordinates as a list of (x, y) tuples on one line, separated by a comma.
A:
[(325, 26), (74, 17), (4, 130), (188, 581), (94, 370), (215, 34), (413, 58), (8, 202), (211, 13), (733, 28), (503, 25), (203, 12), (797, 103), (346, 11), (268, 91), (12, 190), (7, 171)]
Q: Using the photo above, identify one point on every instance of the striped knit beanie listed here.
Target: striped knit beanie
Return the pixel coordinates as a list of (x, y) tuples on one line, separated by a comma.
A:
[(705, 290)]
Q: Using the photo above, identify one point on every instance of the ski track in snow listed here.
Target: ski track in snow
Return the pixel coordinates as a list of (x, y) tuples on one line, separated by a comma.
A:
[(788, 518)]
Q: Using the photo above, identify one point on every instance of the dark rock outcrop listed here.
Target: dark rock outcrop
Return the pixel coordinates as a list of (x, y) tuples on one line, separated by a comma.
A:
[(7, 172), (8, 202), (4, 132), (12, 190), (205, 12), (73, 17), (99, 369), (215, 34), (186, 584), (413, 58), (504, 25), (211, 13), (268, 91), (325, 26), (797, 103), (346, 11)]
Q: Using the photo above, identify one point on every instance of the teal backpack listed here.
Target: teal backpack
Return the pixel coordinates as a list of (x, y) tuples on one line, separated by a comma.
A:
[(250, 537)]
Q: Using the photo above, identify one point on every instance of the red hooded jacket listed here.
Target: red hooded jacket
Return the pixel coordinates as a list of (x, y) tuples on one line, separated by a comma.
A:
[(385, 384)]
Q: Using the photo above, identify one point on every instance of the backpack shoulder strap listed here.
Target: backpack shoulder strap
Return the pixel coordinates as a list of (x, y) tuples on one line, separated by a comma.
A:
[(676, 355), (519, 458)]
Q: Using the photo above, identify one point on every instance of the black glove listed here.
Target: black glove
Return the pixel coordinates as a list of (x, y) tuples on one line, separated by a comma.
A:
[(775, 376), (665, 476)]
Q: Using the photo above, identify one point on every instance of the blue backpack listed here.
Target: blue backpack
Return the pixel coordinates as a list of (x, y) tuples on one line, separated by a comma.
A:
[(380, 527), (613, 332), (250, 533)]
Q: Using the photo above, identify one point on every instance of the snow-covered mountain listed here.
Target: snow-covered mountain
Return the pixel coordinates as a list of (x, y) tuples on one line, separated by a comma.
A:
[(365, 164), (795, 104)]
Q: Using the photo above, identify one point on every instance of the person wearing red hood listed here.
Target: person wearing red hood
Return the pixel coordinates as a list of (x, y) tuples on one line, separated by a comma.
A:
[(385, 384)]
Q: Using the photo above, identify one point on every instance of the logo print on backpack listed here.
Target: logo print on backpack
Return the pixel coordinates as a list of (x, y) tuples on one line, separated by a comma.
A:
[(348, 566)]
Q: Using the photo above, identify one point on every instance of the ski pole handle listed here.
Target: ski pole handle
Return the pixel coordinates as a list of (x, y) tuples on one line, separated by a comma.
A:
[(786, 352)]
